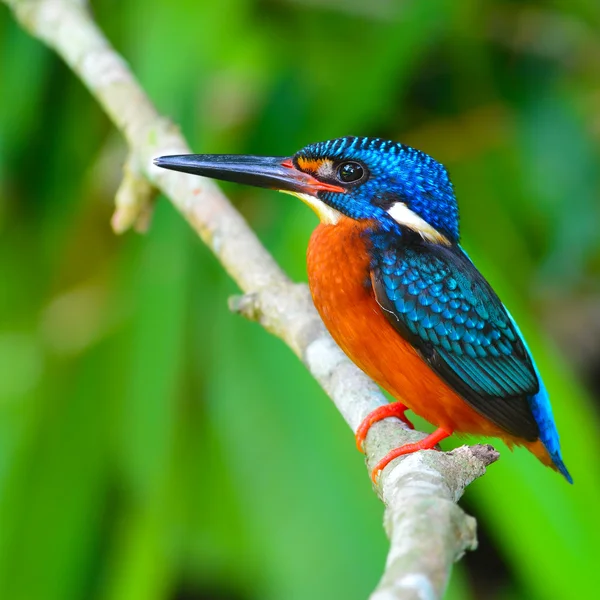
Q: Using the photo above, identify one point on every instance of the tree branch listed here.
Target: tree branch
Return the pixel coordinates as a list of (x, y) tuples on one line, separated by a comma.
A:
[(428, 531)]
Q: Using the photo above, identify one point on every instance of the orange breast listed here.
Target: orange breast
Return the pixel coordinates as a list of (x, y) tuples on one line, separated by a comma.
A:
[(339, 278)]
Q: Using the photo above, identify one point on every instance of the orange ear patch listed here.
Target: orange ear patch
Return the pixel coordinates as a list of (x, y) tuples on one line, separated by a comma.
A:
[(309, 164), (322, 167)]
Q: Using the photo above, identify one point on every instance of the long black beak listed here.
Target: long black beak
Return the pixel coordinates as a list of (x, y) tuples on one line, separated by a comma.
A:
[(273, 172)]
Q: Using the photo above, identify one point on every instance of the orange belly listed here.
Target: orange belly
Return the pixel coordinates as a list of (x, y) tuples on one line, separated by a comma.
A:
[(339, 279)]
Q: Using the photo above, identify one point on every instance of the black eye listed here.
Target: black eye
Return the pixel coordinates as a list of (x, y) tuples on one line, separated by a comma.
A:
[(349, 172)]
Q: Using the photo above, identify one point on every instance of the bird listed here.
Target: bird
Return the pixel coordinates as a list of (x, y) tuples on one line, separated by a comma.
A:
[(400, 295)]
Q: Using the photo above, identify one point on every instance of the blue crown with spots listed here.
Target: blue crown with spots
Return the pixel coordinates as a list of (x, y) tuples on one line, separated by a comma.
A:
[(395, 173)]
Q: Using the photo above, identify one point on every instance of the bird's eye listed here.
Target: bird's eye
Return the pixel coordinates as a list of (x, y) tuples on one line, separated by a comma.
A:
[(350, 172)]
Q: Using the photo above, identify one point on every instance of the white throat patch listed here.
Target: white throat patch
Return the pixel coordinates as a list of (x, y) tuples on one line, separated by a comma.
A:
[(404, 216), (326, 213)]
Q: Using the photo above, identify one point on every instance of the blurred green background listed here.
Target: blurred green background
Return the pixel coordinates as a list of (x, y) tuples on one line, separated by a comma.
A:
[(155, 446)]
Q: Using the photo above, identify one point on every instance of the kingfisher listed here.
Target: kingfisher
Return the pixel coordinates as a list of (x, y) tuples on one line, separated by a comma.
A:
[(398, 293)]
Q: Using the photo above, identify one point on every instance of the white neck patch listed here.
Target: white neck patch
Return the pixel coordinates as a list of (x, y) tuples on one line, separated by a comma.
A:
[(404, 216), (326, 213)]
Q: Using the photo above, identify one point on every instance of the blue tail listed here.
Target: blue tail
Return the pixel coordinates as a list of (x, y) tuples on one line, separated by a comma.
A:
[(542, 412)]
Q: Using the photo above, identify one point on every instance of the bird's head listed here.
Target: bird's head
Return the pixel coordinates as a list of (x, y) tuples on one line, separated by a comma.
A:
[(361, 178)]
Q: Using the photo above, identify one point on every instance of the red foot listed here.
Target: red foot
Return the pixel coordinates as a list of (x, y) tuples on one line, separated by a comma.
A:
[(393, 409), (425, 444)]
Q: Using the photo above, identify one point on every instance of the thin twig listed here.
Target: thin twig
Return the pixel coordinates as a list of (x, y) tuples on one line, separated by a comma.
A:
[(134, 201), (428, 531)]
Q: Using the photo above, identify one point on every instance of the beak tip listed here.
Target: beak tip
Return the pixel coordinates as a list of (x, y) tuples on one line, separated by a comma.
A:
[(172, 163)]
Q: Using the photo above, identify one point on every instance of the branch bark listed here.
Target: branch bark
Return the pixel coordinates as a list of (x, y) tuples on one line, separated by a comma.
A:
[(427, 530)]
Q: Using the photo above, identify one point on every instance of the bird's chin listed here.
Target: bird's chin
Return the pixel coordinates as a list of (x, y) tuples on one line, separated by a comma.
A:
[(326, 214)]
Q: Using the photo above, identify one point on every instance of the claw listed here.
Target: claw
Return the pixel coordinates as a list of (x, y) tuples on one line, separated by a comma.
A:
[(427, 443), (393, 409)]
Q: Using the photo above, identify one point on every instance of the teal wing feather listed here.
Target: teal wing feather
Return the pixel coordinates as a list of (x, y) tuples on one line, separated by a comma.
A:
[(436, 298)]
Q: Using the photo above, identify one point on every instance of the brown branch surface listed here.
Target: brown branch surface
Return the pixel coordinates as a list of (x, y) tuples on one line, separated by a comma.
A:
[(427, 530)]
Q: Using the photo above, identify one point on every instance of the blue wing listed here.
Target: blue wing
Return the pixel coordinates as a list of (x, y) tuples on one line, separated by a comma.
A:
[(437, 299)]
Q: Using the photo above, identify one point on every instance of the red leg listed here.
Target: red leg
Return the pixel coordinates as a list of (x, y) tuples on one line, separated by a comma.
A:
[(393, 409), (425, 444)]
